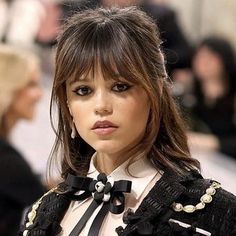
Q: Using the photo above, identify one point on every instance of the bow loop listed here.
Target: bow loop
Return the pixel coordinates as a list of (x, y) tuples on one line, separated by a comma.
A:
[(103, 189), (78, 183), (120, 187)]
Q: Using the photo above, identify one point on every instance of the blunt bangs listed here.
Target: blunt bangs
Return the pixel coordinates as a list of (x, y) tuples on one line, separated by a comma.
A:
[(105, 44)]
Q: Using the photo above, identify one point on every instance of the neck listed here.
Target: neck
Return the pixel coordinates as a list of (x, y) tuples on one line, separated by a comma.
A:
[(216, 78), (214, 88), (9, 122), (107, 163)]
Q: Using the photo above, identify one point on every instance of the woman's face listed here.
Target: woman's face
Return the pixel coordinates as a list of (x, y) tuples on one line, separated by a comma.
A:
[(23, 106), (110, 115), (207, 64)]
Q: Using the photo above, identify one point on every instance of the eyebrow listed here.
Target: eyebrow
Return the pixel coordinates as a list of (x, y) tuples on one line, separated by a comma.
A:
[(86, 79), (89, 79)]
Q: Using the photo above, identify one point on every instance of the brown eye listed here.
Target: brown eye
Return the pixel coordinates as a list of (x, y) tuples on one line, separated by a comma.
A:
[(121, 87), (82, 90)]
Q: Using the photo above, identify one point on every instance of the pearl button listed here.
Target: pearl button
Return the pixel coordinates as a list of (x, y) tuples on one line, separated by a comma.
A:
[(211, 191), (25, 233), (200, 206), (189, 208), (178, 207), (206, 198)]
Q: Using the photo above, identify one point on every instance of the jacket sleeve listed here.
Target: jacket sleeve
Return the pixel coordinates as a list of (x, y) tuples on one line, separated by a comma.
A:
[(45, 215), (228, 227)]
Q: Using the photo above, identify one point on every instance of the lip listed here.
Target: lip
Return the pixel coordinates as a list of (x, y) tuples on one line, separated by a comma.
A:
[(104, 127)]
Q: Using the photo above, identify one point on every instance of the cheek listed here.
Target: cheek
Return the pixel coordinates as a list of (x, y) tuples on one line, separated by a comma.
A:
[(21, 100), (25, 103), (136, 113), (81, 115), (217, 65), (199, 64)]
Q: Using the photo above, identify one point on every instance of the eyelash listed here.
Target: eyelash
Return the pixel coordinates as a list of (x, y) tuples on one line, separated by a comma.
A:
[(84, 90), (80, 90), (124, 85)]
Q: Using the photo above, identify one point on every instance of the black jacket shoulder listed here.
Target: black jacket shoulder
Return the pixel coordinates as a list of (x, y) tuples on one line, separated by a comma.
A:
[(19, 188), (17, 180), (216, 218)]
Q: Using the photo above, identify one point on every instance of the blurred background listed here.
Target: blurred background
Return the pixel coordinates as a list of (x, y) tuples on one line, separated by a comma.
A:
[(199, 42)]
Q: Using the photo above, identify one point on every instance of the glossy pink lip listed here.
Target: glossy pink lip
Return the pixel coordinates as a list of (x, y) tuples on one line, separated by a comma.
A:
[(104, 127)]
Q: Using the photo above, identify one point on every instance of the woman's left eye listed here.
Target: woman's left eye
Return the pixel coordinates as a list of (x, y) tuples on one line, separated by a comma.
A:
[(121, 87)]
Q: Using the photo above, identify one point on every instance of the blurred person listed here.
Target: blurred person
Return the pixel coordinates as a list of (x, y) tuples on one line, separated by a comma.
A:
[(21, 21), (49, 23), (213, 105), (3, 17), (19, 93), (121, 142)]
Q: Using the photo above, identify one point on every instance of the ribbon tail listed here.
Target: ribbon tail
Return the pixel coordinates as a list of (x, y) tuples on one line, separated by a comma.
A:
[(97, 223), (82, 222)]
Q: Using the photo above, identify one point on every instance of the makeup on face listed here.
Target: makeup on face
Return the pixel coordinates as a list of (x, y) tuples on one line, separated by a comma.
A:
[(110, 115)]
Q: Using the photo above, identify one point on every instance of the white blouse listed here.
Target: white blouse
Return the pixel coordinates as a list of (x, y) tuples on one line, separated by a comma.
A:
[(143, 176)]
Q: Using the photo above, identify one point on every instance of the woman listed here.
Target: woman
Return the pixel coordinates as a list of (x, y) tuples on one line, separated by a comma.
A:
[(125, 158), (19, 93), (214, 109)]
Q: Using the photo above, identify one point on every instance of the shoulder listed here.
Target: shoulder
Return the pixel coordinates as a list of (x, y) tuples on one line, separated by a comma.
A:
[(17, 180), (189, 204), (205, 205), (44, 216), (9, 153), (208, 192)]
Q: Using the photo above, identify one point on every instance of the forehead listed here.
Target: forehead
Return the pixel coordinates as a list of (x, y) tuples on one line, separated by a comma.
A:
[(108, 72)]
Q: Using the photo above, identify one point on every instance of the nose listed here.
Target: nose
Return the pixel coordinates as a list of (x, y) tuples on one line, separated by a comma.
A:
[(103, 104), (38, 93)]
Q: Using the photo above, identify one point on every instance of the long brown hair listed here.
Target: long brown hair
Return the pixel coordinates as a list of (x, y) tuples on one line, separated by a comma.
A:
[(129, 39)]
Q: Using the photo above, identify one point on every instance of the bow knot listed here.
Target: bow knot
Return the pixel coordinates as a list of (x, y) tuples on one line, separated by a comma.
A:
[(104, 190), (101, 188)]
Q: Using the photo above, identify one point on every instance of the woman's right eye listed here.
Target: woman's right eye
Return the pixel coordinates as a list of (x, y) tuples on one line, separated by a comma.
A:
[(82, 90)]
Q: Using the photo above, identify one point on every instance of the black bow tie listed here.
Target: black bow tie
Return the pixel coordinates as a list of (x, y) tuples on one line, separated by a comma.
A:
[(103, 190)]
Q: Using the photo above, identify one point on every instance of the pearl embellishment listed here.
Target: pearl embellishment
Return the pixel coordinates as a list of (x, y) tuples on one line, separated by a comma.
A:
[(32, 214), (206, 198)]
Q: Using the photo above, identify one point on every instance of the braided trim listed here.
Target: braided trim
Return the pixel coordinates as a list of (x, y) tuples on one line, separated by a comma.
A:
[(206, 198), (32, 214)]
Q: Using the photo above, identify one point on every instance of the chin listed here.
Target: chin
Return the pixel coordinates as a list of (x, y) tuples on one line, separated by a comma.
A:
[(107, 149), (28, 117)]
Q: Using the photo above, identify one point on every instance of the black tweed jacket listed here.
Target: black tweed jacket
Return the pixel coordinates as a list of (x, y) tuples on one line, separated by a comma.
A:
[(158, 214)]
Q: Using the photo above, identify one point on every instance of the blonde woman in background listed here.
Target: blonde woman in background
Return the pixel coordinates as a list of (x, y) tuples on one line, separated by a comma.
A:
[(19, 93)]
